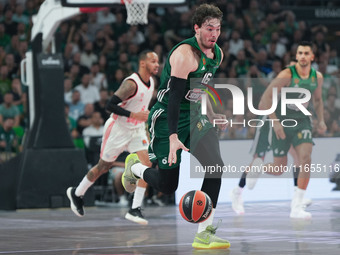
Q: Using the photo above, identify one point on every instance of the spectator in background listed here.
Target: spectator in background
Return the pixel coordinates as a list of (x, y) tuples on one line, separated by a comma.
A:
[(8, 140), (89, 94), (95, 129), (10, 25), (68, 90), (241, 64), (71, 123), (99, 42), (9, 110), (105, 17), (12, 67), (5, 39), (19, 16), (83, 69), (87, 57), (236, 43), (74, 75), (97, 78), (100, 105), (276, 68), (85, 120), (18, 94), (76, 106), (5, 82), (253, 15)]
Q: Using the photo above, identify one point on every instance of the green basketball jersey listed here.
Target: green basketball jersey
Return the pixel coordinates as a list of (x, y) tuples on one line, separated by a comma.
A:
[(205, 71), (311, 83)]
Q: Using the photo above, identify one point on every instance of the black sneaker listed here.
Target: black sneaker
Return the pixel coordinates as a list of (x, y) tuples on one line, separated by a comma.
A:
[(77, 203), (136, 215)]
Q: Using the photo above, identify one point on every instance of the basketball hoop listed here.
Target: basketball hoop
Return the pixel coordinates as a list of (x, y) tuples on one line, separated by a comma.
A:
[(137, 11)]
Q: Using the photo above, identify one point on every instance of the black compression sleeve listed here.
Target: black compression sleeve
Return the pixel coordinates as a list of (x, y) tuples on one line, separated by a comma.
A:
[(176, 94), (112, 106)]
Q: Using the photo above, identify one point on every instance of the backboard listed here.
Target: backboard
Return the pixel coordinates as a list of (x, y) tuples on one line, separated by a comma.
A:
[(109, 3)]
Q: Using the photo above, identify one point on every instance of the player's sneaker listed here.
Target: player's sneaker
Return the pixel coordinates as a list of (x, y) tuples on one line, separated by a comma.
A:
[(254, 173), (129, 180), (207, 240), (298, 212), (76, 203), (136, 215), (236, 200)]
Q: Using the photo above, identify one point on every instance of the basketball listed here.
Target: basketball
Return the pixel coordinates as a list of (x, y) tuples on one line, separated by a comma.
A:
[(195, 206)]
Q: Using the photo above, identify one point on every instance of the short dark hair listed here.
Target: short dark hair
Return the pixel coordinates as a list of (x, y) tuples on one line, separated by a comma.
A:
[(143, 54), (307, 44), (205, 12)]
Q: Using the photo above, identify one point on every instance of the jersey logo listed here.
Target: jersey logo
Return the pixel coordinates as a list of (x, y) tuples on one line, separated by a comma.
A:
[(203, 68), (194, 95)]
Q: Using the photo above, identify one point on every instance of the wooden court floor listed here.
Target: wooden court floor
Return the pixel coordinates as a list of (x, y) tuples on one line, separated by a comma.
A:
[(264, 229)]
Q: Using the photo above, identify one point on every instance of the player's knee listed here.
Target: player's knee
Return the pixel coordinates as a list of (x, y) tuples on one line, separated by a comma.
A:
[(305, 159)]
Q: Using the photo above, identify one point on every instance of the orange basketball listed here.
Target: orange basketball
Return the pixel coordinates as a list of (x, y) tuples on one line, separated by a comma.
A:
[(195, 206)]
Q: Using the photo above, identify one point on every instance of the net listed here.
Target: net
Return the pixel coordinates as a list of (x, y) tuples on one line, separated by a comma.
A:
[(137, 11)]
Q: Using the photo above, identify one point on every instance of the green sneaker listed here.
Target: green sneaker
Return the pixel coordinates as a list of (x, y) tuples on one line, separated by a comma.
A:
[(207, 240), (129, 180)]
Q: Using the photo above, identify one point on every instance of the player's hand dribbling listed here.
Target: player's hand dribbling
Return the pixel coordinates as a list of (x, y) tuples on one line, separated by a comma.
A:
[(279, 132), (322, 128), (141, 116), (175, 144)]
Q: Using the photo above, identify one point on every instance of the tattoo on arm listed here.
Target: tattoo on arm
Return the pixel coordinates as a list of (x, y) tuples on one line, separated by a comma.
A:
[(126, 89)]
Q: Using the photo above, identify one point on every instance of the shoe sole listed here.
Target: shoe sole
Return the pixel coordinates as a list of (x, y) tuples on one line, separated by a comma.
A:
[(212, 246), (73, 207), (135, 219), (132, 187)]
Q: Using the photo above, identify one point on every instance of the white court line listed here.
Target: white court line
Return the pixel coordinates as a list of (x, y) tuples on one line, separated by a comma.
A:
[(96, 248)]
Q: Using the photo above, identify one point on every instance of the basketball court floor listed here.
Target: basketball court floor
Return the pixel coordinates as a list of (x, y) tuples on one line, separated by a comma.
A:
[(264, 229)]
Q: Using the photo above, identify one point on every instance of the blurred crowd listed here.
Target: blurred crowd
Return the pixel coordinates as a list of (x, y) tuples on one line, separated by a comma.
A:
[(258, 38)]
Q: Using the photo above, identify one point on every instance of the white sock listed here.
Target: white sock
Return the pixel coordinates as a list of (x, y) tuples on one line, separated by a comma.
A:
[(83, 186), (238, 190), (202, 226), (138, 197), (298, 196), (138, 169)]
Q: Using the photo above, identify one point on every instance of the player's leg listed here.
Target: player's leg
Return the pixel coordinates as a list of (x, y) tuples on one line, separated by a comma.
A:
[(76, 194), (207, 152), (135, 213), (296, 170), (261, 144), (304, 152), (110, 149)]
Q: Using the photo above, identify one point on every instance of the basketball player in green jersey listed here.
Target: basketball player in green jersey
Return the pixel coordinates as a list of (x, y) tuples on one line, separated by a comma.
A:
[(176, 122), (300, 75)]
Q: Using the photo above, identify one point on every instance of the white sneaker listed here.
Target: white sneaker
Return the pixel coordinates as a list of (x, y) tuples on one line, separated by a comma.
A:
[(254, 173), (298, 212), (237, 201)]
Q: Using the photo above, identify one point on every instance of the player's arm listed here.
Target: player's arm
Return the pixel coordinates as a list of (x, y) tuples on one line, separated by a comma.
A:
[(127, 89), (318, 105), (283, 79), (182, 62)]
